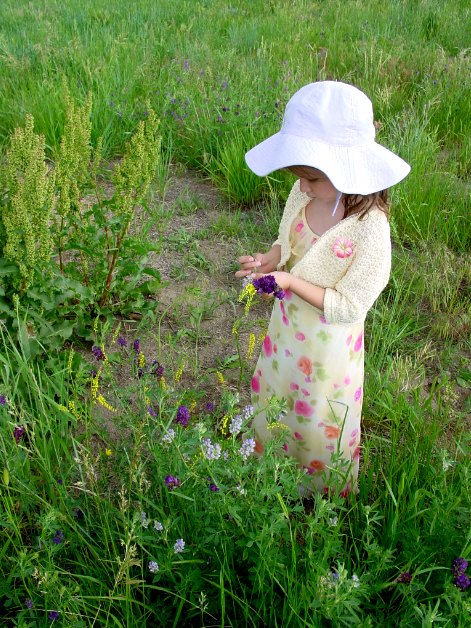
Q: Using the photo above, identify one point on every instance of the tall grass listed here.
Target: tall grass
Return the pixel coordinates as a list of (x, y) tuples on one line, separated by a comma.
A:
[(219, 76)]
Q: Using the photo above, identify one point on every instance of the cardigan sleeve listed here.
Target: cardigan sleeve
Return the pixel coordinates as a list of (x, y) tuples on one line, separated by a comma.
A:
[(352, 296)]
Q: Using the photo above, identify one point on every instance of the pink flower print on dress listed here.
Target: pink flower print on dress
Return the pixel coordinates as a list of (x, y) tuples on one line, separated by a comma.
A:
[(356, 453), (316, 465), (275, 348), (285, 321), (298, 436), (300, 336), (299, 227), (303, 408), (347, 381), (357, 395), (323, 320), (332, 431), (349, 340), (255, 384), (294, 386), (358, 343), (305, 365), (288, 295), (305, 392), (288, 353), (267, 347), (285, 446), (330, 448), (343, 247)]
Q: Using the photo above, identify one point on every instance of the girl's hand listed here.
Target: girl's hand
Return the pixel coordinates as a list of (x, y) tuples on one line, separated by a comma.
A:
[(282, 279), (260, 262), (248, 264)]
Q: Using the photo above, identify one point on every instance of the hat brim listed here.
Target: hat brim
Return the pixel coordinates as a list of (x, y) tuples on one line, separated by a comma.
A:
[(362, 169)]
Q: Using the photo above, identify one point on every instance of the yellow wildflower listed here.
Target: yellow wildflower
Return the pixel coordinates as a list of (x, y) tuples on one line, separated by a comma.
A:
[(63, 408), (251, 346), (108, 452), (116, 334), (221, 378), (192, 406), (141, 360), (225, 421), (94, 386), (162, 383), (277, 425), (73, 410), (235, 329), (247, 295), (102, 401), (179, 373), (69, 362)]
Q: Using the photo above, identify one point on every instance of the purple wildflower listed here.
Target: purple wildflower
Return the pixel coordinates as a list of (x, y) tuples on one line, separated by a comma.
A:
[(122, 341), (183, 416), (152, 412), (53, 615), (186, 65), (172, 482), (3, 400), (213, 487), (79, 514), (462, 582), (58, 537), (19, 432), (210, 451), (98, 353), (265, 284), (140, 372), (168, 436), (209, 406), (404, 578), (179, 546), (153, 566), (224, 85), (235, 425), (247, 448), (29, 603), (136, 345), (459, 566)]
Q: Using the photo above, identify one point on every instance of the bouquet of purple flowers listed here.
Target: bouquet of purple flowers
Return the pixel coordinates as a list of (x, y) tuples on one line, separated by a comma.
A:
[(268, 285)]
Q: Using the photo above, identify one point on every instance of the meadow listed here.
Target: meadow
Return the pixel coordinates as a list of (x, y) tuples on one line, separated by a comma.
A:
[(129, 491)]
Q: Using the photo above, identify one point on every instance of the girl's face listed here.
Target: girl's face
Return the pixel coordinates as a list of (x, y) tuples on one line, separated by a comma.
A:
[(314, 183)]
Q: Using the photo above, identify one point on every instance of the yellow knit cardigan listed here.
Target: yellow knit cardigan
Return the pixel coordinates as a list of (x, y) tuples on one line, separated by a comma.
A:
[(351, 260)]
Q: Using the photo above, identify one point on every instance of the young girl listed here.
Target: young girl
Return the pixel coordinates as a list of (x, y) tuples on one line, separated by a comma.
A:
[(332, 259)]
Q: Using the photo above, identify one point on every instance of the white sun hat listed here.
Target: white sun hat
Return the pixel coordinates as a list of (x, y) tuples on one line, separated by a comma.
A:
[(329, 126)]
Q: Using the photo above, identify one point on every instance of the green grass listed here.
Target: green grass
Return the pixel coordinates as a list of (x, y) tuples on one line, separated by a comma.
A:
[(256, 554)]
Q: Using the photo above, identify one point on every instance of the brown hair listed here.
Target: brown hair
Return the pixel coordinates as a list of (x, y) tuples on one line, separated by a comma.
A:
[(361, 204), (353, 203)]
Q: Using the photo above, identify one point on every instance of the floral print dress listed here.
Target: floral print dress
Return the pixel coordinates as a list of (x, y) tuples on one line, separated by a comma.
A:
[(317, 368)]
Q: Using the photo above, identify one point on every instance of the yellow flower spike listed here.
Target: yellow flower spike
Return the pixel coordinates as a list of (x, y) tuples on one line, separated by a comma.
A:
[(116, 334), (108, 452), (225, 421), (102, 401), (277, 425), (73, 410), (142, 360), (94, 385), (63, 408), (247, 295), (69, 362), (95, 325), (235, 329), (163, 383), (221, 378), (179, 373), (261, 338), (251, 346), (192, 406), (147, 400)]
